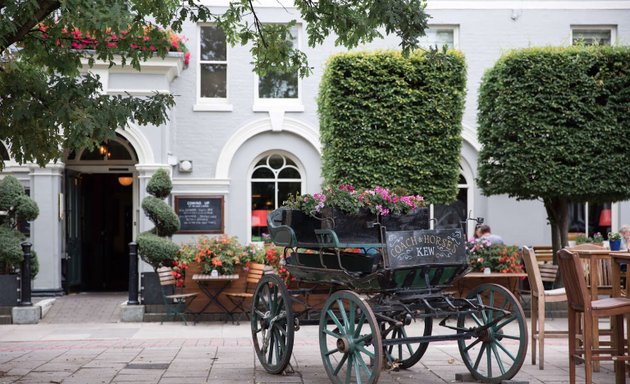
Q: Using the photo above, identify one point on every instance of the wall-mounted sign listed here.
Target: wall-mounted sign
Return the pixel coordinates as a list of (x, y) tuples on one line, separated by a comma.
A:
[(425, 247), (200, 214)]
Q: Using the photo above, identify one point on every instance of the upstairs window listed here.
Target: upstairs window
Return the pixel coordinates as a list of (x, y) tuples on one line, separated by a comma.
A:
[(213, 65), (593, 35), (438, 36), (279, 88)]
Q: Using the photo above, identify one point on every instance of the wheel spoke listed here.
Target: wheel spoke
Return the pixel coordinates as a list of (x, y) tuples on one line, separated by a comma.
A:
[(335, 320), (476, 319), (357, 330), (349, 371), (505, 322), (344, 315), (511, 356), (363, 365), (343, 360), (472, 344), (330, 352), (483, 348), (498, 358), (363, 338), (365, 351), (357, 369), (332, 333), (489, 360), (272, 341)]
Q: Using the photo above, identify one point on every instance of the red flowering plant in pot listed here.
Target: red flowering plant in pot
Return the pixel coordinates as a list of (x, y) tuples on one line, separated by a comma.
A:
[(223, 254), (498, 257)]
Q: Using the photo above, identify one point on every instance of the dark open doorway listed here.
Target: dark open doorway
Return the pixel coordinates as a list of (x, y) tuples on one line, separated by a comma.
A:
[(105, 214)]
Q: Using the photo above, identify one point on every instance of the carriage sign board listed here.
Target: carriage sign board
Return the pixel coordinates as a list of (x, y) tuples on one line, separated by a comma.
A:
[(413, 248)]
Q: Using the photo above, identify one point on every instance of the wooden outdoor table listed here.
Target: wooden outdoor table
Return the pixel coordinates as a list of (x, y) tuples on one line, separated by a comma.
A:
[(212, 291), (508, 280)]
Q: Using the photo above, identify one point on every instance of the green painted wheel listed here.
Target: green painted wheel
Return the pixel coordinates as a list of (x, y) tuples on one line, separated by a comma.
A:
[(496, 353), (405, 355), (272, 324), (350, 340)]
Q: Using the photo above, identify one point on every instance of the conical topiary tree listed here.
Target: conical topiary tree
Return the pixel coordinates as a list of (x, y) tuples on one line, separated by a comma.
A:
[(15, 206), (154, 245)]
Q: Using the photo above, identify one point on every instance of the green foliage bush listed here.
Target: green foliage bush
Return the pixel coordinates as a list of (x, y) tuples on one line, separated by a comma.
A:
[(156, 250), (162, 215), (160, 184), (153, 246), (17, 206), (554, 123), (393, 121)]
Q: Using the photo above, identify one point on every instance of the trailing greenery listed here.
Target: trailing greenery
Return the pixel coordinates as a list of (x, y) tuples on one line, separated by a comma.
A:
[(154, 247), (16, 206), (52, 108), (554, 125), (393, 121)]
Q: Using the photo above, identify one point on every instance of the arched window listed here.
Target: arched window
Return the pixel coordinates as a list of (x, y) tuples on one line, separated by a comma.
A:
[(273, 179)]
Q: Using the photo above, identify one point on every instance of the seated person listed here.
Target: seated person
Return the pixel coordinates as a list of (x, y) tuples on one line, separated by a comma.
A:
[(483, 231)]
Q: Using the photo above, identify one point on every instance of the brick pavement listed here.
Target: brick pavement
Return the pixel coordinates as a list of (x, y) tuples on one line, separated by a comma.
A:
[(210, 352)]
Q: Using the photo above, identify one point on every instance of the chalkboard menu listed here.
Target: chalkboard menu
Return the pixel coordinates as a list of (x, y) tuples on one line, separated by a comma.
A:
[(200, 214), (415, 248)]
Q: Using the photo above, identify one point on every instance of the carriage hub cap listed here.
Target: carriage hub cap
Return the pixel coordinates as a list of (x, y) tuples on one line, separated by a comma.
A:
[(345, 345)]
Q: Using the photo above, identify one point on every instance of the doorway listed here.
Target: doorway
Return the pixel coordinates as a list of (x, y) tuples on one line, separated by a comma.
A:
[(99, 196), (99, 214)]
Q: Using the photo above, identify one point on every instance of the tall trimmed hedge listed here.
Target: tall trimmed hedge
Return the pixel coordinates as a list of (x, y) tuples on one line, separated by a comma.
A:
[(394, 121), (555, 125)]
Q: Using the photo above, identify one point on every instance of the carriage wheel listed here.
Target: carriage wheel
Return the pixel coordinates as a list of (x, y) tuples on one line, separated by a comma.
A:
[(272, 324), (497, 353), (405, 355), (350, 340)]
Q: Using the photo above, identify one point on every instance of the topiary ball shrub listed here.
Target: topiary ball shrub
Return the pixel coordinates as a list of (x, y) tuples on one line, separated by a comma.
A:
[(154, 247), (16, 207)]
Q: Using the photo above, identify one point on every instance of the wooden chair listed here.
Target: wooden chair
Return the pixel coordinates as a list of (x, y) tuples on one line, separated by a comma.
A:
[(239, 298), (580, 303), (540, 296), (175, 303), (544, 253)]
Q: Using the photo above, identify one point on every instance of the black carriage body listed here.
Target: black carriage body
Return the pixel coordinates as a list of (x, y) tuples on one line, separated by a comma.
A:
[(403, 272)]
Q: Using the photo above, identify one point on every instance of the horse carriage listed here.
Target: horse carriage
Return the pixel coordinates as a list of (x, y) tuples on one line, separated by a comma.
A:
[(387, 280)]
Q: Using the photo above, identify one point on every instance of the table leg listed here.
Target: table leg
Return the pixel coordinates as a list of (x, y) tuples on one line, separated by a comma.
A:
[(594, 296), (213, 298)]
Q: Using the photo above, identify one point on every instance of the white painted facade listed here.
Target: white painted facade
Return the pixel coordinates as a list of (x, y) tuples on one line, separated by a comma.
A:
[(224, 139)]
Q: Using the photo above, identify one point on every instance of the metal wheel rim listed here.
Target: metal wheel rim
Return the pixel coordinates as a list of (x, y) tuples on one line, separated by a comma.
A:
[(498, 354), (272, 324), (350, 346)]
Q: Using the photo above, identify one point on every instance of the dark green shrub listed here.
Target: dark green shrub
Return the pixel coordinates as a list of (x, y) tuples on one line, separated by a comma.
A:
[(153, 245), (156, 250), (160, 184), (17, 207), (162, 215), (393, 121)]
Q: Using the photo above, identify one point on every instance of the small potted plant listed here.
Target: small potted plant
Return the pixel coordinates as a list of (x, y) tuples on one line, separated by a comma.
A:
[(614, 239), (598, 238)]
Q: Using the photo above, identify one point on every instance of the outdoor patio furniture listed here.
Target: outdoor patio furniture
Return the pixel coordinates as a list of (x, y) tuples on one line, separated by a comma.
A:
[(580, 303), (540, 297), (239, 298), (175, 303)]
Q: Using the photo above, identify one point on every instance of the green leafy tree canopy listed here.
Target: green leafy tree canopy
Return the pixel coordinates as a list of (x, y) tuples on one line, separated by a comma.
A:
[(47, 108), (394, 121), (552, 122)]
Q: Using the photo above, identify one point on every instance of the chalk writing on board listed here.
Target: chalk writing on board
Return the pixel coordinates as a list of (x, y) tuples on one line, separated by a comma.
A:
[(410, 248), (200, 214)]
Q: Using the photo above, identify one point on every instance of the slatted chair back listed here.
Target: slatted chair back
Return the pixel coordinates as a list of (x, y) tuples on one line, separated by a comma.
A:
[(544, 253), (254, 274), (166, 276), (175, 303), (572, 273), (533, 272)]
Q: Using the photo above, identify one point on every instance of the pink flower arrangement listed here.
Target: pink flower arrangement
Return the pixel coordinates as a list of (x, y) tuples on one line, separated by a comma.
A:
[(169, 41), (346, 198)]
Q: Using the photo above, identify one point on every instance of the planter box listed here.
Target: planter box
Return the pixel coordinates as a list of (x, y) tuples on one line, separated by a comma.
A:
[(9, 290)]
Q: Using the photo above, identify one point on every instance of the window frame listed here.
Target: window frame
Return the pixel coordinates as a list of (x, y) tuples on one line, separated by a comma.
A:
[(287, 104), (445, 27), (597, 27), (212, 103)]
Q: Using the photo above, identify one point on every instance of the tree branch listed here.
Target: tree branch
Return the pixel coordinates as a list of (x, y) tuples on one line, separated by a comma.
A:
[(26, 21)]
